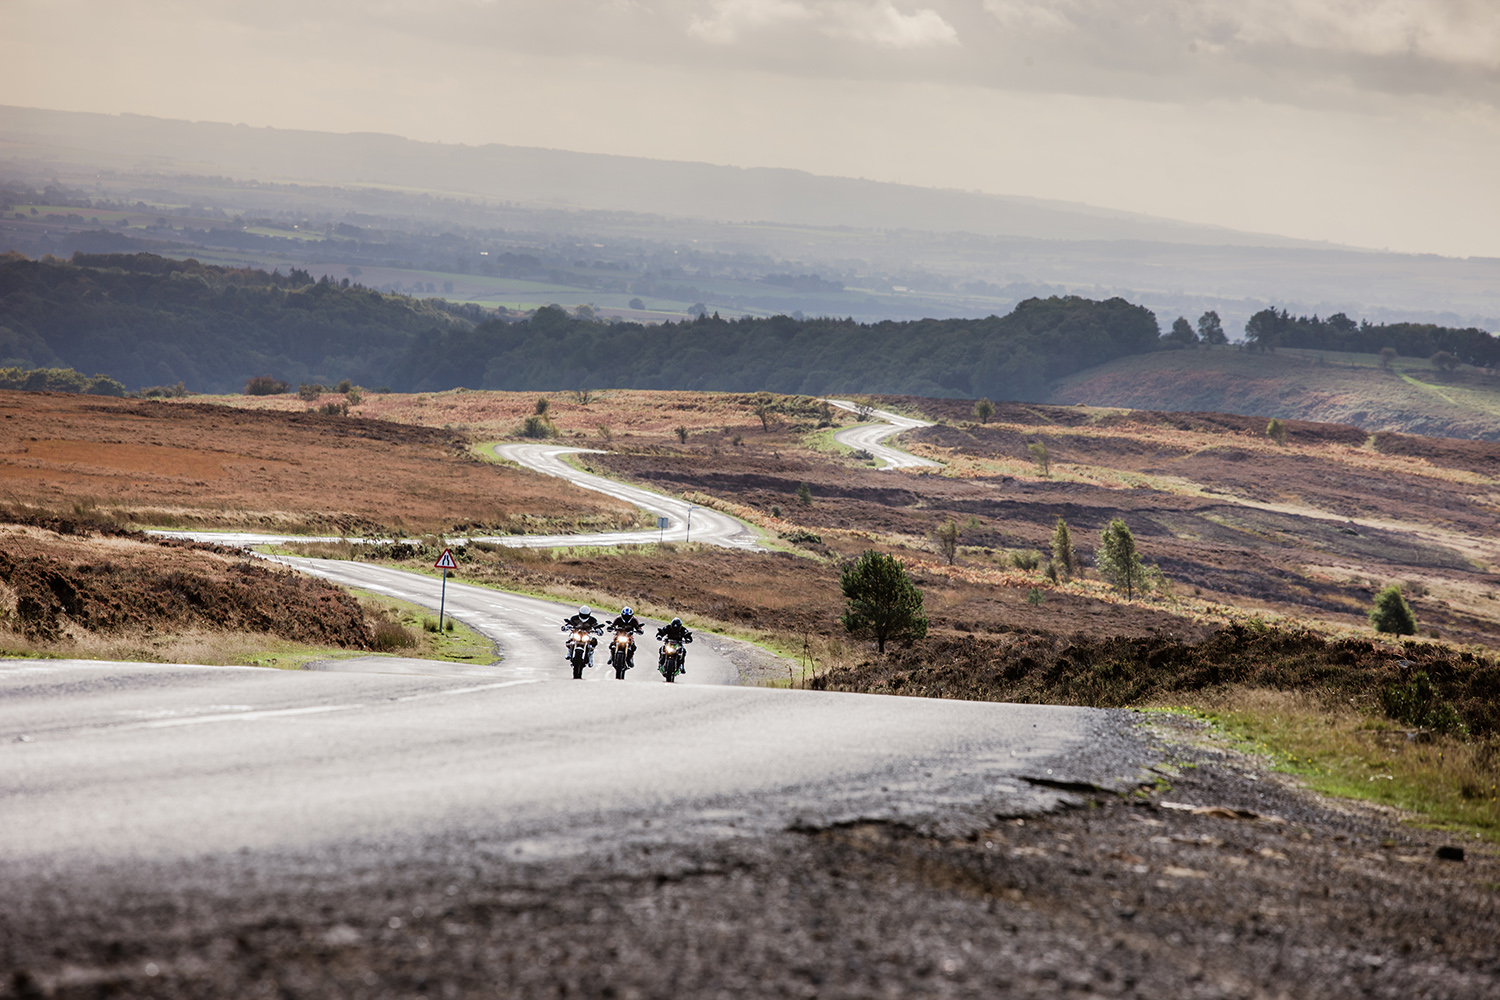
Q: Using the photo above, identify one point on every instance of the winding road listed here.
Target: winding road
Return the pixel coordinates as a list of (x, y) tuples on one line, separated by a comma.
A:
[(868, 437)]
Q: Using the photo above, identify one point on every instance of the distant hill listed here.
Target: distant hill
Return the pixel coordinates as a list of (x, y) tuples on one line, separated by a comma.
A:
[(562, 179), (1412, 396)]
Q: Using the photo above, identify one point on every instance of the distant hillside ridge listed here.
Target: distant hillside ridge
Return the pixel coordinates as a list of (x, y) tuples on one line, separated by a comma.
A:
[(564, 179), (1408, 395), (149, 320)]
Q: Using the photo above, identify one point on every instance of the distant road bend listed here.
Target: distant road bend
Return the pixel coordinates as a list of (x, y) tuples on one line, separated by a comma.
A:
[(869, 438)]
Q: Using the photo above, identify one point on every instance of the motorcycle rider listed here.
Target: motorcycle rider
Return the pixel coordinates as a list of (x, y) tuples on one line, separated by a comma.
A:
[(586, 621), (678, 633), (631, 626)]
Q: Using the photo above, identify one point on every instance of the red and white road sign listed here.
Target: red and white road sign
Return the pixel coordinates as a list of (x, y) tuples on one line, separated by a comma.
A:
[(445, 561)]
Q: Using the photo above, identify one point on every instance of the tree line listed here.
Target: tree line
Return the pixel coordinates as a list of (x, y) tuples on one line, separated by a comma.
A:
[(150, 320), (1272, 328)]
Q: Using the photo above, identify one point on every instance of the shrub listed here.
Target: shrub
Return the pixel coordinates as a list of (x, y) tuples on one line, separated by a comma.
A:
[(1041, 456), (390, 635), (264, 385), (864, 456), (309, 391), (1035, 597), (804, 494), (1276, 431), (682, 434), (429, 624), (541, 406), (1392, 614), (354, 396), (536, 426), (1417, 704), (344, 386), (802, 537), (334, 409), (984, 410), (1027, 559)]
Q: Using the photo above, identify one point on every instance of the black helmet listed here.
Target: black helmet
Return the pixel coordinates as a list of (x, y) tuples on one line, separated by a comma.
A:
[(677, 621)]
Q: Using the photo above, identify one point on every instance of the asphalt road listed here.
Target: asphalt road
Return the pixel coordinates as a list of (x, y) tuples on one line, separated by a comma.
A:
[(869, 437), (527, 631), (105, 761), (687, 522)]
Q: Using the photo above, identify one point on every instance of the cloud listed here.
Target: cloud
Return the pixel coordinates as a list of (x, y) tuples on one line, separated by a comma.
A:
[(878, 24), (731, 19)]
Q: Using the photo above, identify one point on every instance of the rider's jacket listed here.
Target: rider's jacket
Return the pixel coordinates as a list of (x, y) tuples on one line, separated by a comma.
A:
[(677, 633), (582, 621), (623, 624)]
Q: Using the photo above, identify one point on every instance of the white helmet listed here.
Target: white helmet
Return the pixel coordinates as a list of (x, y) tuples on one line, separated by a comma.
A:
[(626, 612), (584, 610)]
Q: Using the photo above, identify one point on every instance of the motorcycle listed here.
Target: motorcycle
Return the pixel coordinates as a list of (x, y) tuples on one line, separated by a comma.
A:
[(619, 653), (670, 659), (581, 643)]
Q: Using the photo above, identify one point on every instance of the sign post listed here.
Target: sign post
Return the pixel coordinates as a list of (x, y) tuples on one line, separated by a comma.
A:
[(661, 527), (445, 563), (691, 507)]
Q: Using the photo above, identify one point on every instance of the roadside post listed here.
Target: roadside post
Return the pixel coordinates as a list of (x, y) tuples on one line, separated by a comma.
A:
[(445, 563), (691, 507), (661, 528)]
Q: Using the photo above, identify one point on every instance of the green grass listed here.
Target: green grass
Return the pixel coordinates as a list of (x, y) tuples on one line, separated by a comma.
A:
[(1443, 782), (458, 643)]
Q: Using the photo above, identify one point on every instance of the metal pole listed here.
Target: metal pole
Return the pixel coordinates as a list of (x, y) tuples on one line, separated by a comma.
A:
[(442, 602), (689, 537)]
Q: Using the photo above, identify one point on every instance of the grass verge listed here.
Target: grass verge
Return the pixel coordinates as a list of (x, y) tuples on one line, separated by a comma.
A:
[(1440, 781)]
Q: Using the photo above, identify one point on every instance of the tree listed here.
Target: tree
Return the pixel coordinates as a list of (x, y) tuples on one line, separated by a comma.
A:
[(637, 304), (1211, 330), (1444, 360), (881, 600), (947, 540), (265, 385), (1263, 330), (542, 405), (682, 433), (1041, 456), (1276, 431), (1392, 614), (1387, 357), (1182, 333), (984, 410), (804, 494), (1062, 549), (1117, 559)]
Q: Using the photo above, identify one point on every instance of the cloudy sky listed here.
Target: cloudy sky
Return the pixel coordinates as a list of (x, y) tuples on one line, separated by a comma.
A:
[(1369, 122)]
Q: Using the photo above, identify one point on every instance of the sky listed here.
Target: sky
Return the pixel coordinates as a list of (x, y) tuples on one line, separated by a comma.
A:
[(1373, 123)]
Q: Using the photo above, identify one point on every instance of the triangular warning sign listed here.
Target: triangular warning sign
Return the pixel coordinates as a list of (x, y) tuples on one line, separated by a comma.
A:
[(445, 561)]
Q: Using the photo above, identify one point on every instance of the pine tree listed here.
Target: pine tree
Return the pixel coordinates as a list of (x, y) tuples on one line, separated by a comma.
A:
[(1118, 560), (1392, 614), (1062, 550), (882, 600)]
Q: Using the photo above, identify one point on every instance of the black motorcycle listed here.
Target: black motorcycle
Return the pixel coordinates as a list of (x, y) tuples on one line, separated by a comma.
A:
[(670, 659)]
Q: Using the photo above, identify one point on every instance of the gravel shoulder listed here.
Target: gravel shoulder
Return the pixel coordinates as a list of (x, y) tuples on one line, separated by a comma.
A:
[(1264, 891)]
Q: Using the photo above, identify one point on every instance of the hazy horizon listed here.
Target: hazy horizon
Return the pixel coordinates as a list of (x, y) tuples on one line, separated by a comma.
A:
[(1369, 124)]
